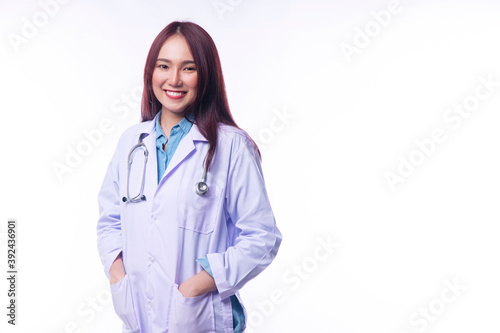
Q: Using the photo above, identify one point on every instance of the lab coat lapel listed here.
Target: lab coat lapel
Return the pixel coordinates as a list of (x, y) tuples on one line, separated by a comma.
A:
[(186, 146)]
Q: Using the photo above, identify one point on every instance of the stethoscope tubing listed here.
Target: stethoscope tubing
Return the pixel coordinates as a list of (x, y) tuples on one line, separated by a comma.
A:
[(141, 146), (200, 188)]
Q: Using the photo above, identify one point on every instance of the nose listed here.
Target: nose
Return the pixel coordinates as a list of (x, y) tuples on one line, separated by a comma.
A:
[(175, 78)]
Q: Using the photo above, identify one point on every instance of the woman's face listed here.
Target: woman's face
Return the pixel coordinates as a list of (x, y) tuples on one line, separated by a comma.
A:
[(175, 78)]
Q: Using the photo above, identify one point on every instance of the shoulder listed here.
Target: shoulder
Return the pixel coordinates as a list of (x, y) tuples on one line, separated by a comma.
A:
[(136, 129), (236, 142), (143, 127), (231, 133), (235, 137)]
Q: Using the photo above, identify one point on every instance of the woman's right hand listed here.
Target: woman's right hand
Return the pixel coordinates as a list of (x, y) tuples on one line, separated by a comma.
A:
[(117, 270)]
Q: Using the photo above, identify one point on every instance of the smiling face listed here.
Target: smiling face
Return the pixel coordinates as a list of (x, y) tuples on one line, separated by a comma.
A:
[(175, 78)]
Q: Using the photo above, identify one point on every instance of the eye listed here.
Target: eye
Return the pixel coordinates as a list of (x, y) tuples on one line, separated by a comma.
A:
[(162, 66), (190, 68)]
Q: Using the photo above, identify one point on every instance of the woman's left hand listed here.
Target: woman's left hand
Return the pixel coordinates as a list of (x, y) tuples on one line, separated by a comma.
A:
[(197, 285)]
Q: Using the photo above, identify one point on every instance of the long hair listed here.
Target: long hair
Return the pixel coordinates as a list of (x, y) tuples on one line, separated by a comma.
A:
[(210, 106)]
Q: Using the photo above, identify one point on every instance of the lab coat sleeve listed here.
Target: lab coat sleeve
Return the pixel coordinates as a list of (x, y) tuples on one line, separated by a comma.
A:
[(247, 206), (109, 240)]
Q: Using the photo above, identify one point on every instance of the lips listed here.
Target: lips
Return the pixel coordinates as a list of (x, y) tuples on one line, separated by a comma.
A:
[(174, 94)]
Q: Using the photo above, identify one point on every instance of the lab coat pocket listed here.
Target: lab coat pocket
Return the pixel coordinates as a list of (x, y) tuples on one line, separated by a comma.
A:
[(123, 303), (192, 314), (199, 212)]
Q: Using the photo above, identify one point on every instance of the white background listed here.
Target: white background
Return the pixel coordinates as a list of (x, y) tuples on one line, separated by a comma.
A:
[(330, 127)]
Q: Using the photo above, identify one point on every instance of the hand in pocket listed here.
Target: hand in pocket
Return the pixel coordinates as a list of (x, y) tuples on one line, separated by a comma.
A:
[(123, 303), (192, 314), (117, 270)]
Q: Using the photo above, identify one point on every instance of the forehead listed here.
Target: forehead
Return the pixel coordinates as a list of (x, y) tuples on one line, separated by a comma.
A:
[(175, 48)]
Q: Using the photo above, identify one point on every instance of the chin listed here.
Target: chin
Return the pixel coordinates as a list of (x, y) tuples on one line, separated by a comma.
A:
[(175, 110)]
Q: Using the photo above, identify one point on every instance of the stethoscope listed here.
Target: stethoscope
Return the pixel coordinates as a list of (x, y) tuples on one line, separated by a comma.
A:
[(200, 188)]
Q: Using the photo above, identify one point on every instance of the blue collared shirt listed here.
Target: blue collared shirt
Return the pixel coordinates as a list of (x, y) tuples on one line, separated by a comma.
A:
[(177, 133)]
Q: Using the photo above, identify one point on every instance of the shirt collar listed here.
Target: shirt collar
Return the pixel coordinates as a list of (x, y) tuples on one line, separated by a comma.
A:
[(185, 125)]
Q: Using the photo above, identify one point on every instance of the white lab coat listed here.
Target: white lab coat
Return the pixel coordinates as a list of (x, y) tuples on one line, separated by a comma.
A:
[(161, 238)]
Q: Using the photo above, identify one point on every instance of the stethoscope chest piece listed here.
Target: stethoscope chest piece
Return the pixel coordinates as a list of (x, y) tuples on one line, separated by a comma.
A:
[(201, 188)]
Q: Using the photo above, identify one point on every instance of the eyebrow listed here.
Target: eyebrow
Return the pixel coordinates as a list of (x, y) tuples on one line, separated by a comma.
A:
[(182, 63)]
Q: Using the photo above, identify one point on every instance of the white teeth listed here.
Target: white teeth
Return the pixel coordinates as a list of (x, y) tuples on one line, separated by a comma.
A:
[(174, 94)]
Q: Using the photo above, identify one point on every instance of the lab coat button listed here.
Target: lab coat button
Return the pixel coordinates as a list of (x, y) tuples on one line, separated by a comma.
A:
[(151, 259), (150, 304)]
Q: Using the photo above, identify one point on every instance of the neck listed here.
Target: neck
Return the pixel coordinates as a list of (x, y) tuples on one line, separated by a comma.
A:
[(168, 120)]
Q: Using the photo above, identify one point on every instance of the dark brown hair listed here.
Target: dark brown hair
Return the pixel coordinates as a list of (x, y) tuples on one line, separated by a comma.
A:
[(210, 106)]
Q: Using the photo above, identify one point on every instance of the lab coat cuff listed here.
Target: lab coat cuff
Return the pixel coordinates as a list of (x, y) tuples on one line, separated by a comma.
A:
[(109, 260), (205, 264), (218, 270)]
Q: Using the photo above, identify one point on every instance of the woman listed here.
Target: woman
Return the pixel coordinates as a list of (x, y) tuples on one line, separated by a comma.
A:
[(181, 233)]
